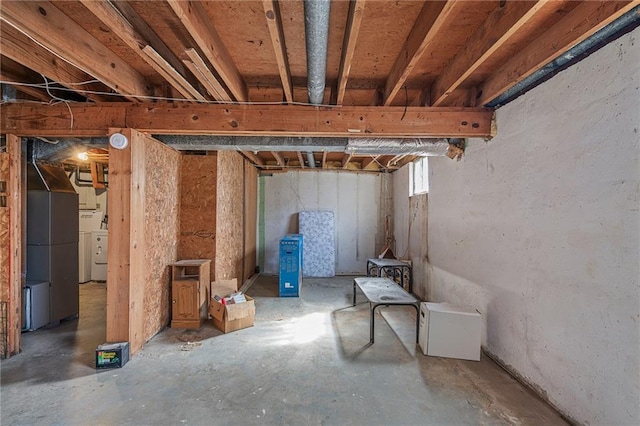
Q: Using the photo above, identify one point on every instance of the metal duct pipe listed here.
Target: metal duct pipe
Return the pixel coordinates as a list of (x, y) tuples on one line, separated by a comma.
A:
[(316, 27), (311, 159)]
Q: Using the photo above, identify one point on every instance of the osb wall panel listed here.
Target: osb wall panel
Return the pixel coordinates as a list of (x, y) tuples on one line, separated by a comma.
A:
[(250, 219), (229, 222), (198, 208), (162, 200), (4, 231)]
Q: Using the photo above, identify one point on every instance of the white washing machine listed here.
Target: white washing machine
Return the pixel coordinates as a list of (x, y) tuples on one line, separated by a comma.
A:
[(99, 243), (90, 220)]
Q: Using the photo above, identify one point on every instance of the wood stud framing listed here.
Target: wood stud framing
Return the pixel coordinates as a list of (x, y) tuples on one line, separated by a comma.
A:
[(356, 10), (274, 22), (193, 17)]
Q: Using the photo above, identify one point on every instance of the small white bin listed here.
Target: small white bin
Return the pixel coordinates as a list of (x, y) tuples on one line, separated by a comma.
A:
[(450, 331)]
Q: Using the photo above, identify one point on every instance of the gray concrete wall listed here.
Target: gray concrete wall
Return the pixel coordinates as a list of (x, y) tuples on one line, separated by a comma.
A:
[(354, 198), (410, 229), (539, 229)]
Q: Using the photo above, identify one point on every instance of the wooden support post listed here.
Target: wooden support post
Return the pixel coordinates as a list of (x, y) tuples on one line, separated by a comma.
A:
[(126, 265), (11, 258)]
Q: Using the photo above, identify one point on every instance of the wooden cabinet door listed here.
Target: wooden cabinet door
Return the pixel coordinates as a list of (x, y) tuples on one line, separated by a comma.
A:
[(185, 300)]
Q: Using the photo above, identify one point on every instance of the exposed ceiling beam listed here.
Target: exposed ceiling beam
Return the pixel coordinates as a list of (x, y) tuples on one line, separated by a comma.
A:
[(324, 159), (193, 17), (356, 10), (51, 28), (21, 49), (9, 78), (493, 34), (253, 158), (300, 159), (278, 157), (429, 23), (580, 23), (170, 74), (200, 69), (246, 120), (111, 17), (274, 22)]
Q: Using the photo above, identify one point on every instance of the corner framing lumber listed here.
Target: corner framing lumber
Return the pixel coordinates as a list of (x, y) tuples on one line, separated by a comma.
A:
[(49, 27), (245, 120), (583, 21), (431, 19)]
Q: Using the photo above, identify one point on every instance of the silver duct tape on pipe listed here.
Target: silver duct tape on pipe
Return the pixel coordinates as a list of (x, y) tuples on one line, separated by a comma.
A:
[(316, 26), (410, 146)]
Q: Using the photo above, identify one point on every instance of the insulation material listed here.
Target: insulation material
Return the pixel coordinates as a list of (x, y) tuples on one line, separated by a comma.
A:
[(229, 220), (250, 219), (318, 253), (409, 146), (162, 198), (4, 228), (198, 177)]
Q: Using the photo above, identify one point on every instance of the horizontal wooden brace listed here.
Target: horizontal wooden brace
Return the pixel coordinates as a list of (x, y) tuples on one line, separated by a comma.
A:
[(86, 120)]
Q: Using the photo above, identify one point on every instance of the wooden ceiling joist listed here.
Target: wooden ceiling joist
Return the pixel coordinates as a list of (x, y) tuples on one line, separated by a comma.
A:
[(254, 158), (346, 159), (583, 21), (193, 17), (300, 159), (369, 160), (171, 75), (496, 30), (36, 93), (200, 69), (19, 47), (356, 10), (274, 22), (324, 159), (246, 120), (113, 19), (278, 157), (49, 27), (429, 23)]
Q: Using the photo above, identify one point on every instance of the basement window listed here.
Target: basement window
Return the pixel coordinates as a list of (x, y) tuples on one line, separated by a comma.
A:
[(419, 176)]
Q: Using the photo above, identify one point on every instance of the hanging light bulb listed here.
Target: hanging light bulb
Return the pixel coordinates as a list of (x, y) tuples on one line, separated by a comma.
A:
[(84, 156)]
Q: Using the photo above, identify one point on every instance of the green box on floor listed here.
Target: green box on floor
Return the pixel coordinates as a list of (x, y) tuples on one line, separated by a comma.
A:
[(112, 355)]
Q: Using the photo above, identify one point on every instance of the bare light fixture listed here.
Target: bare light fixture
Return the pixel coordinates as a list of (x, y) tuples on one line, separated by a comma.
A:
[(118, 141), (84, 156)]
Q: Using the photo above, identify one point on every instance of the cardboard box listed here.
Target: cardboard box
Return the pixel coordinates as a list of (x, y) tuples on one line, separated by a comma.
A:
[(112, 355), (228, 318)]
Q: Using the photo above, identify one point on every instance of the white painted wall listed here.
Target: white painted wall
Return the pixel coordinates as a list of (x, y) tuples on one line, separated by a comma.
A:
[(354, 198), (410, 229), (539, 229)]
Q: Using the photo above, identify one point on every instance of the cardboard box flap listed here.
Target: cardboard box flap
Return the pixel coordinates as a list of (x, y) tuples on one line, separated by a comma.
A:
[(224, 288), (216, 309), (241, 310)]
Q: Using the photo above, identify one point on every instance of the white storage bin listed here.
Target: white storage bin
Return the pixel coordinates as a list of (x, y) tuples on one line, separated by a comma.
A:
[(450, 331)]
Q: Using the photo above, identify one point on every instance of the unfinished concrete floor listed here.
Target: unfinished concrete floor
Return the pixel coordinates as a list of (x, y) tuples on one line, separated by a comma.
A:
[(307, 361)]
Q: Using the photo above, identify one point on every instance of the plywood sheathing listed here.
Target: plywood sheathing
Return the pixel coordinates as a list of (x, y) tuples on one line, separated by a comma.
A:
[(198, 188), (162, 200), (250, 219), (229, 221), (143, 235)]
